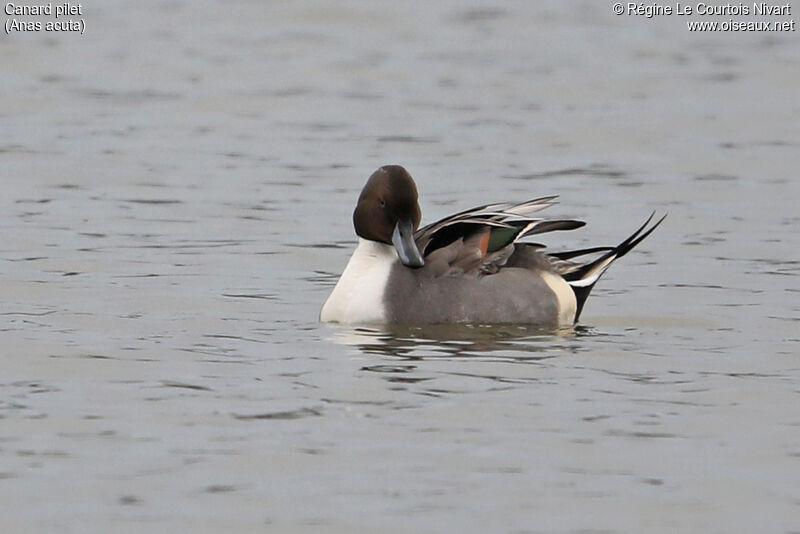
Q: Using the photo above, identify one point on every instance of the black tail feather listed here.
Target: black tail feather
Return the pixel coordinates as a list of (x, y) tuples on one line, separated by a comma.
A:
[(636, 238), (583, 279)]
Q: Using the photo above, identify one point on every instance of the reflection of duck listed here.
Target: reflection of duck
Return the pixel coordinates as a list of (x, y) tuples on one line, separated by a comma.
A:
[(422, 342), (467, 268)]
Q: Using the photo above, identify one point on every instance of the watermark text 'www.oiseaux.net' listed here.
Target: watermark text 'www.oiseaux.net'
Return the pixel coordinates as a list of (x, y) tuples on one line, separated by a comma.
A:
[(704, 16)]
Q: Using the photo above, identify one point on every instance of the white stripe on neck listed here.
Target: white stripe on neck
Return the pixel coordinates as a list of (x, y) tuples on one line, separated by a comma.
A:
[(358, 295)]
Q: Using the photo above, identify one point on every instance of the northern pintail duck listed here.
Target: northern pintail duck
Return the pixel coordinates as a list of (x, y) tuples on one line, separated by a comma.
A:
[(466, 268)]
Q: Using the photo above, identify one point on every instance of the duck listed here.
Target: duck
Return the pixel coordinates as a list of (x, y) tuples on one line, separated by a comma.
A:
[(470, 267)]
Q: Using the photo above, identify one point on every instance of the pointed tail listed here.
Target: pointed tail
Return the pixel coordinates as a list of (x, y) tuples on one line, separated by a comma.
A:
[(583, 276)]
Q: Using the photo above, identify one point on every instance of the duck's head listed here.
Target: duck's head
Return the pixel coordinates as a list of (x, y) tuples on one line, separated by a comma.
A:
[(388, 212)]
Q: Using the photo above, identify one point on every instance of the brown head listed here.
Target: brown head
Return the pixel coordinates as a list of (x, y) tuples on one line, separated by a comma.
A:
[(388, 212)]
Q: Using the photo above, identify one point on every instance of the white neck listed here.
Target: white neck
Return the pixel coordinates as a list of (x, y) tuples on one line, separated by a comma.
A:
[(358, 295)]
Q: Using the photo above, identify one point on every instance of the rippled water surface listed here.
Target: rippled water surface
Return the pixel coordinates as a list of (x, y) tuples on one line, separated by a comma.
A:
[(177, 186)]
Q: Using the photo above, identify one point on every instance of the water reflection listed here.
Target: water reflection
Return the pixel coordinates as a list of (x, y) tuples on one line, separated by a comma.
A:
[(498, 342)]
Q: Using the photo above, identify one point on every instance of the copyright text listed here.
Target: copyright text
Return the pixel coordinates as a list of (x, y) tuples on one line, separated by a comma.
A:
[(765, 10)]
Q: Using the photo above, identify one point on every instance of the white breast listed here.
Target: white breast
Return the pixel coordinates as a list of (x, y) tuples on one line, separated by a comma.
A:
[(358, 295)]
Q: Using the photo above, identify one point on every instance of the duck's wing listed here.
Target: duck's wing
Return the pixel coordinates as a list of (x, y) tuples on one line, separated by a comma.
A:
[(489, 214), (480, 240)]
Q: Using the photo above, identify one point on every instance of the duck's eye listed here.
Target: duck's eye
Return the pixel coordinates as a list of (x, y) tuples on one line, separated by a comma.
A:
[(383, 203)]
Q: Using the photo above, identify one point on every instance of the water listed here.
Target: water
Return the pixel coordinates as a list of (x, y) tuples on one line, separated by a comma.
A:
[(177, 191)]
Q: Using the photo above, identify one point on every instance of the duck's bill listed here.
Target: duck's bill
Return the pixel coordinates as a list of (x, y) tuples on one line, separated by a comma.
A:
[(403, 241)]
